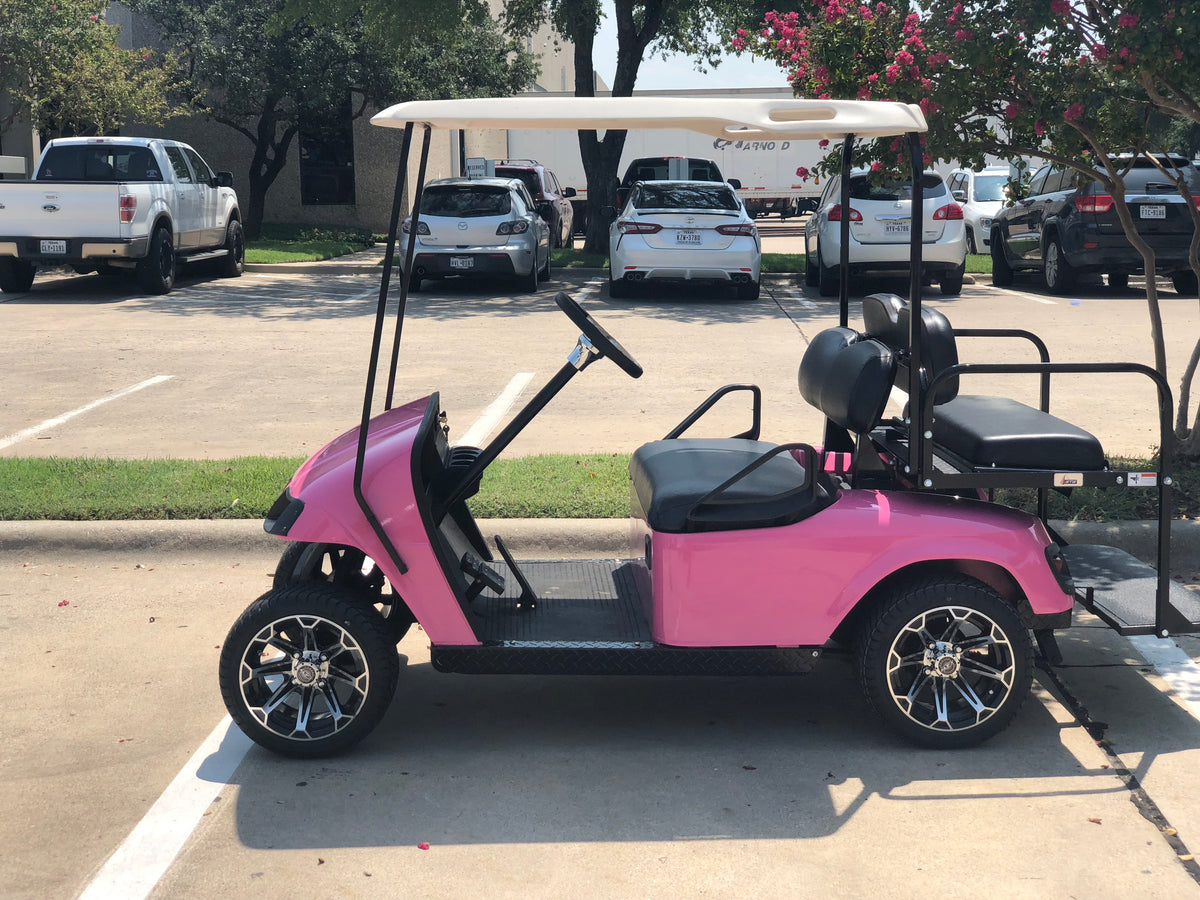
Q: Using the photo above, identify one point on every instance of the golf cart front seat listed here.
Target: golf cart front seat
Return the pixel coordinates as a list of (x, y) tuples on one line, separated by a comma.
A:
[(983, 432), (687, 485)]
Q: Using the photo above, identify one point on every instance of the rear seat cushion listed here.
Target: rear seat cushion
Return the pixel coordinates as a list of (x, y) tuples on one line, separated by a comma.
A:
[(670, 477), (1003, 433)]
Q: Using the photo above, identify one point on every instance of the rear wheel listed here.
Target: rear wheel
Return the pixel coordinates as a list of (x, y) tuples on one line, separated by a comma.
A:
[(1184, 282), (951, 284), (1002, 272), (828, 278), (16, 275), (945, 662), (810, 270), (306, 672), (748, 290), (1056, 271), (233, 263), (348, 568), (530, 281), (157, 271), (618, 288), (1118, 281), (545, 273)]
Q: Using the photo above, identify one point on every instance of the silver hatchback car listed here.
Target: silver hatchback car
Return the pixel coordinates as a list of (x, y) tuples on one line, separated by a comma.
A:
[(479, 227)]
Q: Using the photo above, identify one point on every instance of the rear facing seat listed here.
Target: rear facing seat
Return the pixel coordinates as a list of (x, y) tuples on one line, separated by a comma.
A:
[(983, 432), (846, 378)]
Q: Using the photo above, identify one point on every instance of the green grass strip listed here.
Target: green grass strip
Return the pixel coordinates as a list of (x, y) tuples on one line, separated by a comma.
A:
[(562, 486)]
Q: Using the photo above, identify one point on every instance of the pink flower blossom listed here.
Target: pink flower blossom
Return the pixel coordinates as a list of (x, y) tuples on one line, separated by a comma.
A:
[(1012, 110), (823, 143), (802, 173), (1060, 7), (876, 167), (1039, 129), (1074, 112), (1127, 20)]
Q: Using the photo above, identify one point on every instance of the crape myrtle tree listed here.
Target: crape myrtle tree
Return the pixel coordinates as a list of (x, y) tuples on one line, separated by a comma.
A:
[(644, 27), (61, 67), (267, 75), (1016, 80)]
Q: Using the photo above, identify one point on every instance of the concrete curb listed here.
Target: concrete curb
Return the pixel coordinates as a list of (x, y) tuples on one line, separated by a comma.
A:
[(527, 538)]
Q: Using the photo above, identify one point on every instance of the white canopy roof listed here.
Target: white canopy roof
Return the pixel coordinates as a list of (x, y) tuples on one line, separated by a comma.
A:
[(722, 117)]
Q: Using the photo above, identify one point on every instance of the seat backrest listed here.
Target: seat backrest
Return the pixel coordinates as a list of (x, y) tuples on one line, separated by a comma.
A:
[(848, 378), (886, 319)]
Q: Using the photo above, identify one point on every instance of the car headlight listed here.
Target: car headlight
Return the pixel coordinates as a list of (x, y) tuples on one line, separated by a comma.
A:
[(985, 223)]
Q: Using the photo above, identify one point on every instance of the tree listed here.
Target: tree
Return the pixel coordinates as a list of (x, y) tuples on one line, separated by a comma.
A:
[(266, 77), (1023, 79), (61, 66), (643, 26)]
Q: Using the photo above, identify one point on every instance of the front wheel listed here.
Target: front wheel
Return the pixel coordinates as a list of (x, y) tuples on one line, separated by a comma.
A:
[(305, 672), (233, 263), (946, 662)]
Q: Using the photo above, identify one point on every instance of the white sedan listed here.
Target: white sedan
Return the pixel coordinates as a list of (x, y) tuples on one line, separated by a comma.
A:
[(684, 231)]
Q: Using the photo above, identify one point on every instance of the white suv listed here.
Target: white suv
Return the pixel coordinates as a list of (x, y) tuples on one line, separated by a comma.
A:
[(879, 232), (981, 194)]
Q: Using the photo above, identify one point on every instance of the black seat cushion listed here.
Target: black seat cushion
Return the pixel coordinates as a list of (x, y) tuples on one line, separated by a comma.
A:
[(997, 431), (670, 477), (847, 378)]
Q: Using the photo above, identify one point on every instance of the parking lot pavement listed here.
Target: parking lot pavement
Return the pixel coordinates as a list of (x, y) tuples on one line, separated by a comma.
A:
[(539, 787)]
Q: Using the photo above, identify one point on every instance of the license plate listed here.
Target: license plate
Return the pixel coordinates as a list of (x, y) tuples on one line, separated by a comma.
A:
[(691, 238), (54, 246), (1153, 212), (462, 262), (896, 228)]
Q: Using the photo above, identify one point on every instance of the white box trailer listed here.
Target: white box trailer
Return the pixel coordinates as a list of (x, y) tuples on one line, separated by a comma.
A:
[(766, 169)]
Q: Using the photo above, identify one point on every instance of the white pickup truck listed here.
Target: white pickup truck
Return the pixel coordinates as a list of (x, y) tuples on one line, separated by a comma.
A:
[(116, 204)]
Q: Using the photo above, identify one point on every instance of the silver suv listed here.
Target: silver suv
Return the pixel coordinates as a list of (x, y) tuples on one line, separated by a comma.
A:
[(479, 227)]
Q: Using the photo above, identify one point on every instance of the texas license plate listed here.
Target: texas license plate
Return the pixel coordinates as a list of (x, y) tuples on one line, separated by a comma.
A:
[(1153, 212), (462, 262), (896, 228), (691, 238), (54, 246)]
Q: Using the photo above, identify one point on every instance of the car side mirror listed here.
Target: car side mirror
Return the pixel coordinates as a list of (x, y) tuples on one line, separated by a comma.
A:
[(568, 192), (735, 183), (224, 179), (959, 195), (545, 209)]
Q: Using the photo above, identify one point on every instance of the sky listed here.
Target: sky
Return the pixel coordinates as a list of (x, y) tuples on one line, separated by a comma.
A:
[(679, 72)]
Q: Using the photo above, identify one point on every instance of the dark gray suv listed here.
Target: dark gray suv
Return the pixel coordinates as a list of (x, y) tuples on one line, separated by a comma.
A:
[(1065, 227)]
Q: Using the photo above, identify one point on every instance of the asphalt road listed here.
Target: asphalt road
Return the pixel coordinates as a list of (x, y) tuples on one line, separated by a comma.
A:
[(524, 787)]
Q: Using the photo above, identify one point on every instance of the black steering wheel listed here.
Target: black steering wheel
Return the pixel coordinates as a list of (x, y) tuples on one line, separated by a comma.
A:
[(601, 339)]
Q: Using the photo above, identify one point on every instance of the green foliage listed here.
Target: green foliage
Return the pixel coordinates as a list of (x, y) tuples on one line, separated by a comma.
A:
[(60, 64)]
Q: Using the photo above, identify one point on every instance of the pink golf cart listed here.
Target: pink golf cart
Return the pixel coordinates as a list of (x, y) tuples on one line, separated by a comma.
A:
[(876, 541)]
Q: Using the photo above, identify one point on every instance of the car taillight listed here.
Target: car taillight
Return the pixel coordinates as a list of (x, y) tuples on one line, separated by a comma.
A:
[(127, 204), (745, 229), (639, 227), (1097, 203), (422, 228), (512, 228), (835, 214), (948, 213)]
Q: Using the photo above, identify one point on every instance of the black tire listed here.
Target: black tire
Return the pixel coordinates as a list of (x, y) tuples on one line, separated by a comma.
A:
[(348, 568), (618, 288), (1056, 271), (305, 672), (156, 272), (828, 279), (951, 641), (972, 247), (1184, 282), (414, 283), (1118, 281), (951, 285), (748, 290), (531, 281), (545, 273), (1002, 272), (233, 263), (811, 275), (16, 275)]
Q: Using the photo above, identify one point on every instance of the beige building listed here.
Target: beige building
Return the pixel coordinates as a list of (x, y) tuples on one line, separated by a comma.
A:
[(351, 184)]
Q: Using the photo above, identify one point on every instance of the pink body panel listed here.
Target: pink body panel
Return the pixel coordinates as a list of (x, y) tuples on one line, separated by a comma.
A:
[(792, 585), (331, 515)]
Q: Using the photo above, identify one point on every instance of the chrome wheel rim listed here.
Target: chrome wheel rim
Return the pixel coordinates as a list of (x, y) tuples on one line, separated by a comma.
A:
[(1052, 264), (304, 678), (951, 668)]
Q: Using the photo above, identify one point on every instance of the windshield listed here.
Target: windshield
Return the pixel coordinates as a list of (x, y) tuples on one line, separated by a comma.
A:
[(686, 196), (861, 188), (991, 187), (465, 201), (98, 162)]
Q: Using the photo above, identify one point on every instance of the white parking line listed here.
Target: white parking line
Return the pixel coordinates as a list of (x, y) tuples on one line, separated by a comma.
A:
[(1023, 296), (496, 410), (1174, 665), (59, 420), (135, 868)]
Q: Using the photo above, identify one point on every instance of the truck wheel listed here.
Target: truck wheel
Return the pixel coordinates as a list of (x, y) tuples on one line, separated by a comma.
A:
[(16, 275), (1056, 271), (233, 263), (1002, 272), (945, 662), (157, 271), (350, 568), (306, 672)]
